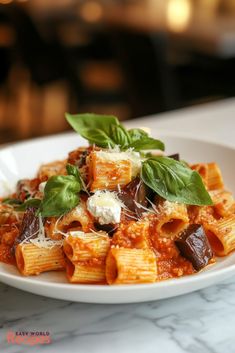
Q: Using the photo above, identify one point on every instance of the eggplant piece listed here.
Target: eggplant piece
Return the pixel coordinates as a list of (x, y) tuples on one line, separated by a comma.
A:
[(194, 246), (108, 228), (133, 195), (175, 156), (29, 226), (82, 161)]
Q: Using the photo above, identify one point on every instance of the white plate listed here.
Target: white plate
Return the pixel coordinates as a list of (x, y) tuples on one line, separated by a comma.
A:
[(23, 159)]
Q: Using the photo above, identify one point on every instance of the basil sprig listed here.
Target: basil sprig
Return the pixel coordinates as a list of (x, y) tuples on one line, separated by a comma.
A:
[(28, 203), (174, 181), (73, 170), (11, 201), (21, 206), (61, 194), (106, 131)]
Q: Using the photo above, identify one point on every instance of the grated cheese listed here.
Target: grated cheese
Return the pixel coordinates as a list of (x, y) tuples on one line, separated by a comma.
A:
[(168, 207), (42, 241), (113, 156)]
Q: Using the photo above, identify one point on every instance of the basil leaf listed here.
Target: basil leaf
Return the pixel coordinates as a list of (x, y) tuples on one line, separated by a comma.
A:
[(175, 182), (60, 195), (28, 203), (86, 121), (93, 127), (73, 170), (137, 134), (120, 136), (10, 201), (106, 131), (147, 143), (146, 155), (100, 138), (140, 140), (103, 130)]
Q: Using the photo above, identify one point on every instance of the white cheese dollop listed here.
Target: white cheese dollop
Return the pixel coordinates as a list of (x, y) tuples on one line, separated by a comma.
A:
[(105, 206)]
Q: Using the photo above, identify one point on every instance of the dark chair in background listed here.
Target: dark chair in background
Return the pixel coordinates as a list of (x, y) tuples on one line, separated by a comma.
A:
[(36, 63), (96, 57), (205, 78), (48, 60), (5, 48), (149, 80), (155, 83), (43, 58)]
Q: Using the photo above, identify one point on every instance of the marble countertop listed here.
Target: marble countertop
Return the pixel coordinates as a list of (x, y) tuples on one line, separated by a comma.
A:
[(202, 321)]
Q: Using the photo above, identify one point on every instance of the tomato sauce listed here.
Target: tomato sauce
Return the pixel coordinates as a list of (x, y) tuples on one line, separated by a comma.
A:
[(8, 234), (169, 261), (170, 264), (6, 254)]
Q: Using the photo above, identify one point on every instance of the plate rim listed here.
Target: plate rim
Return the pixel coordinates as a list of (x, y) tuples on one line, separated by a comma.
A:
[(160, 131), (172, 282), (175, 282)]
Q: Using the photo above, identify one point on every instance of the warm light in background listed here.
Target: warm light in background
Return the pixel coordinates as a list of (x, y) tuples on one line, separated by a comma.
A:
[(207, 9), (5, 2), (178, 14), (91, 11)]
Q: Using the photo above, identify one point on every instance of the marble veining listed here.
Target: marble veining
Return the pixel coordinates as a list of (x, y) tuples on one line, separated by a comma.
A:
[(200, 322)]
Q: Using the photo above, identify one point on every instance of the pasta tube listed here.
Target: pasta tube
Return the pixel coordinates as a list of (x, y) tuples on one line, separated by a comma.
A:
[(32, 260), (130, 266), (107, 174), (77, 219), (199, 214), (214, 177), (202, 169), (224, 204), (86, 246), (211, 175), (133, 235), (172, 218), (50, 169), (82, 272), (221, 235), (80, 215)]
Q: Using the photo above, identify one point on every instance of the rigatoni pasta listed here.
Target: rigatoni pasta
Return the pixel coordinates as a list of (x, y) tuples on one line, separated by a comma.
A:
[(133, 235), (86, 246), (202, 169), (116, 213), (86, 272), (224, 203), (33, 260), (131, 266), (214, 177), (221, 235), (54, 168), (78, 218), (172, 218), (211, 175), (86, 254), (107, 172)]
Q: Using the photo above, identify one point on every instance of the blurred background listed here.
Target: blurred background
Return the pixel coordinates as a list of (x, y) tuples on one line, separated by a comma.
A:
[(124, 57)]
